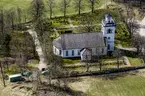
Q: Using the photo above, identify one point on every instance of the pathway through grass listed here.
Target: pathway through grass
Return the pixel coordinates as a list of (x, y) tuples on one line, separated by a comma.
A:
[(42, 62)]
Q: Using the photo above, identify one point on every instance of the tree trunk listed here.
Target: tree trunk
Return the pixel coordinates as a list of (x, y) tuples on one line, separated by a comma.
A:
[(92, 6), (87, 64), (2, 73), (118, 62), (79, 7), (100, 66), (140, 3), (64, 11), (50, 11)]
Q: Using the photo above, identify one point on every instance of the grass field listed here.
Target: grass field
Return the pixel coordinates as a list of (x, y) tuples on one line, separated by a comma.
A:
[(136, 61), (9, 4), (25, 4), (113, 85), (70, 61)]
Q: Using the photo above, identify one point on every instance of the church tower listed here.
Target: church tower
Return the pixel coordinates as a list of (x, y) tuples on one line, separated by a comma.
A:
[(108, 29)]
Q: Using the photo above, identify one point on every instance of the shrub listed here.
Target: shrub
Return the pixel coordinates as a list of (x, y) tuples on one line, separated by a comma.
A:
[(13, 69)]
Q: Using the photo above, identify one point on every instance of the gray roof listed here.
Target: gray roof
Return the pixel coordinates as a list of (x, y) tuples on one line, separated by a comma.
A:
[(79, 41)]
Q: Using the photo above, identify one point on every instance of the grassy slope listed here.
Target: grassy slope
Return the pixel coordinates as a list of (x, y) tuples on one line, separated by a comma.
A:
[(70, 61), (127, 86), (119, 85), (8, 4), (136, 61), (24, 4)]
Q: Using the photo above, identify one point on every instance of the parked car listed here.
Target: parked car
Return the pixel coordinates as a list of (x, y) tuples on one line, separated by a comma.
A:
[(15, 78)]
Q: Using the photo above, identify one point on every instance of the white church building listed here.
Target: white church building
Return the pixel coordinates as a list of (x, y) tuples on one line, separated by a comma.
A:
[(86, 45)]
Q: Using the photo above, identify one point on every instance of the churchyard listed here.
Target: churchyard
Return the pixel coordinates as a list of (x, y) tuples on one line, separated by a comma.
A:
[(69, 76)]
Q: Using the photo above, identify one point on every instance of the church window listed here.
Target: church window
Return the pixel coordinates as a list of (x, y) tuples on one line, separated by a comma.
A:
[(108, 47), (72, 52), (59, 52), (109, 31), (78, 52), (66, 53)]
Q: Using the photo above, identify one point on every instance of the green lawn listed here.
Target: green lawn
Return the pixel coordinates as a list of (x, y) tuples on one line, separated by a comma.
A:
[(15, 68), (25, 4), (116, 85), (9, 4), (124, 86), (70, 61), (136, 61)]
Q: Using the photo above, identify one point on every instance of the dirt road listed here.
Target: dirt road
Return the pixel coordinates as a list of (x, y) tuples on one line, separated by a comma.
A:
[(42, 63)]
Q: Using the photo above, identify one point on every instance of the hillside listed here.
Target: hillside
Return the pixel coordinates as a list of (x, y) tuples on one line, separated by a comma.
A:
[(25, 4)]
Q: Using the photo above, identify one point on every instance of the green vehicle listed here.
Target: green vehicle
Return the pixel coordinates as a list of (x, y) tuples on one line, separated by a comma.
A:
[(15, 78)]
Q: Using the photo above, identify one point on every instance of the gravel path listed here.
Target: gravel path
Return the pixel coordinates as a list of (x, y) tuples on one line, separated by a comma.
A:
[(42, 63)]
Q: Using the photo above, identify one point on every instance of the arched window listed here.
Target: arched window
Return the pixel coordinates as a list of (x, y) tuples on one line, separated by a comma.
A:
[(108, 47), (109, 31)]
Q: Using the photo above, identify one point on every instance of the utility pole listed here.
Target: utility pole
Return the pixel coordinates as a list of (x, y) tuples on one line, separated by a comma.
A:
[(2, 73)]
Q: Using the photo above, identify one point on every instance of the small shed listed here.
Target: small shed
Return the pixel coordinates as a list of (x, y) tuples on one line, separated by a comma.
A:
[(86, 54), (15, 78)]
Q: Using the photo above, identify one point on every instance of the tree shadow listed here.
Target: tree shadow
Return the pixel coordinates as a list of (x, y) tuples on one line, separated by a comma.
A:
[(114, 76), (65, 90), (74, 79)]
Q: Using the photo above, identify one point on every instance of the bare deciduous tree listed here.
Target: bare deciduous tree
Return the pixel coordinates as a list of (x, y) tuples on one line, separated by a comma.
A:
[(78, 6), (37, 9), (2, 73), (51, 6), (92, 5), (142, 55), (130, 20), (6, 47), (11, 17), (87, 63), (64, 5), (99, 58), (2, 33), (19, 17), (87, 23), (2, 22), (138, 42), (37, 82), (118, 54)]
